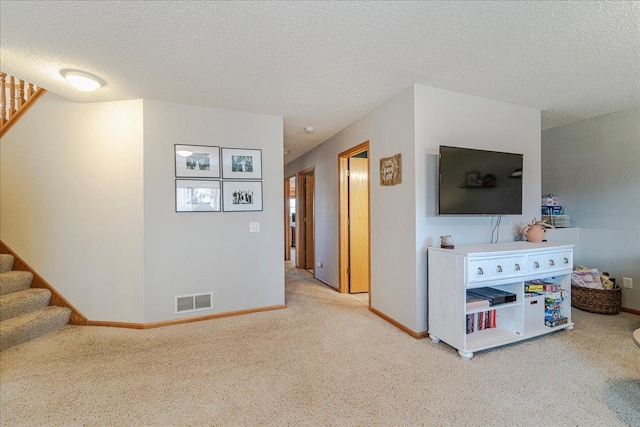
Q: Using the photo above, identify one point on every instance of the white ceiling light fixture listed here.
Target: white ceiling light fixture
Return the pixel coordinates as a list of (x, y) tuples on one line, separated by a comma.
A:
[(309, 129), (184, 153), (81, 80)]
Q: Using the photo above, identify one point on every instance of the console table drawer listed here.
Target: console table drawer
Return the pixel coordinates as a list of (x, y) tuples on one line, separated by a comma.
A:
[(549, 262), (496, 268)]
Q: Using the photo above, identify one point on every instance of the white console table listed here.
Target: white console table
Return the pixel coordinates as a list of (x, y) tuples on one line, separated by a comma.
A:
[(503, 266)]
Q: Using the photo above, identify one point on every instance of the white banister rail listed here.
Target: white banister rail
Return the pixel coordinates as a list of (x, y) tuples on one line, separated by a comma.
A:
[(13, 90)]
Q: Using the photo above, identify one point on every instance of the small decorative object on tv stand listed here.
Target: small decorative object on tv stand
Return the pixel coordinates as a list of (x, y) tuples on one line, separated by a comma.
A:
[(536, 231), (507, 267), (446, 242)]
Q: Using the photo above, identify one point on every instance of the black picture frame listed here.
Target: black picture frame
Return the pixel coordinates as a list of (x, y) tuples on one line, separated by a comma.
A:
[(241, 163), (197, 161), (242, 196)]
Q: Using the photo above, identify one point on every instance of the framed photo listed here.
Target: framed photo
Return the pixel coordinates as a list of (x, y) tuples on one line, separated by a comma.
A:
[(241, 163), (197, 161), (241, 196), (193, 195)]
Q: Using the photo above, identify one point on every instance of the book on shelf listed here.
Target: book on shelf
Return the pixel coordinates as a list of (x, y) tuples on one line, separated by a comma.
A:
[(493, 319), (470, 323)]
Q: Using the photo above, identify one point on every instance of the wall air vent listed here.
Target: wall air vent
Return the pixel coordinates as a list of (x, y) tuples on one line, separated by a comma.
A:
[(187, 303)]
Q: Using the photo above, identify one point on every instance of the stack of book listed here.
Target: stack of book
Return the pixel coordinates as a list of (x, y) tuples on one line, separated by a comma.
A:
[(481, 320)]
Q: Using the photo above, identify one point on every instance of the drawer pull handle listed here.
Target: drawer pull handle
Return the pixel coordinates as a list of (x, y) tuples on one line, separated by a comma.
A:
[(517, 267), (566, 260), (499, 269), (551, 263), (480, 272), (536, 265)]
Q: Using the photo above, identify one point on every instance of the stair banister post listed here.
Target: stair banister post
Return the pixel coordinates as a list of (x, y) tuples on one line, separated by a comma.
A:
[(21, 93), (12, 94)]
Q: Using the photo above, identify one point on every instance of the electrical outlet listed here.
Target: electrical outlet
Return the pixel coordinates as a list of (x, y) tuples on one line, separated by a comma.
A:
[(627, 282), (254, 227)]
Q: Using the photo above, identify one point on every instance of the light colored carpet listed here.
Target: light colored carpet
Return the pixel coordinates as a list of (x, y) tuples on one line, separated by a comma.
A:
[(323, 361)]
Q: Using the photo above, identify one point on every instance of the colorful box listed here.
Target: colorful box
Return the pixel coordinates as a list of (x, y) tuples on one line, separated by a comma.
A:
[(533, 288), (552, 210), (550, 322)]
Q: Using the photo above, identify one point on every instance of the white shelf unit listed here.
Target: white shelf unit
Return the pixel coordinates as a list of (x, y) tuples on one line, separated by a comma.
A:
[(503, 266)]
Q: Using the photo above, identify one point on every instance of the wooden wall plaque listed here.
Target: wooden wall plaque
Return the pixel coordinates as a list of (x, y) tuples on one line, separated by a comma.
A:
[(391, 170)]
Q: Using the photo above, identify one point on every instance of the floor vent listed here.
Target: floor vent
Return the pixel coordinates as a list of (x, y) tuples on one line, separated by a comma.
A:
[(186, 303)]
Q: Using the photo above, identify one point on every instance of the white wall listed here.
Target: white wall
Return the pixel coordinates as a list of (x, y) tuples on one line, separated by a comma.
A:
[(71, 202), (455, 119), (390, 130), (187, 253), (593, 166), (403, 218), (89, 202)]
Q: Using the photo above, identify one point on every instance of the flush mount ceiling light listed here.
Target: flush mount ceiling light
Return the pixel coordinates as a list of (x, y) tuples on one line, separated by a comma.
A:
[(184, 153), (309, 129), (82, 81)]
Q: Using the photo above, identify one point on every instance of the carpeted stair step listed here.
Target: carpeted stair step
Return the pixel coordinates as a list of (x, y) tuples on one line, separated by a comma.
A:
[(18, 303), (23, 328), (6, 262), (14, 281)]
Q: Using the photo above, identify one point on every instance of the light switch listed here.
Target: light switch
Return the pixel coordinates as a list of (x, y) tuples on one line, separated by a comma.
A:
[(254, 227)]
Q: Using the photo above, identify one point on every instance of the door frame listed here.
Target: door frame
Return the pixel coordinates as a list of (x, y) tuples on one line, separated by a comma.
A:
[(343, 227), (301, 240)]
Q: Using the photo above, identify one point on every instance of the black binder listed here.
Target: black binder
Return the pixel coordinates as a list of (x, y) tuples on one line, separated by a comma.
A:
[(494, 296)]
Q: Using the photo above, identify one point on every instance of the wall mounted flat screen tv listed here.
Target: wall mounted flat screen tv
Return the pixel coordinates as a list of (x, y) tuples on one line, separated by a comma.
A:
[(479, 182)]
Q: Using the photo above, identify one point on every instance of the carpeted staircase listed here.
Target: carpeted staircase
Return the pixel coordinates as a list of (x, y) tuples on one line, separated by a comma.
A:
[(25, 313)]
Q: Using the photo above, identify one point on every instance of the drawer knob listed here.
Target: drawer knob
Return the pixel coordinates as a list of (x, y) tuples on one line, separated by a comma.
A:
[(551, 263), (499, 269), (536, 265), (480, 272), (517, 267), (566, 260)]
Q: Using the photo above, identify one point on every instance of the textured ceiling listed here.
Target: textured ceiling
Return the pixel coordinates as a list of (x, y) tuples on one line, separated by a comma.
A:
[(326, 64)]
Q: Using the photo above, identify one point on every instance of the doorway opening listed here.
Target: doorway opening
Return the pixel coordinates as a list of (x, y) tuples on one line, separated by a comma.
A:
[(354, 229), (305, 223), (289, 218)]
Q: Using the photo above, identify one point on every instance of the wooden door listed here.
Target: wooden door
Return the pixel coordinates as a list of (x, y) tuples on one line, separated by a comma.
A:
[(287, 216), (308, 221), (358, 225)]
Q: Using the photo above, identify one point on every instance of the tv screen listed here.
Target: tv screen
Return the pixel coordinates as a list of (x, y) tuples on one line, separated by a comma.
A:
[(479, 182)]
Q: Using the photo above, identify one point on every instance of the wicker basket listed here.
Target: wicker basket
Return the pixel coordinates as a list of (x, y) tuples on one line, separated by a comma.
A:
[(558, 221), (602, 301)]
